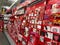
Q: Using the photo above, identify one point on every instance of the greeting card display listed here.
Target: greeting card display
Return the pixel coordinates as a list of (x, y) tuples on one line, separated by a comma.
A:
[(24, 42), (55, 29), (38, 26), (56, 37), (49, 43), (38, 19), (20, 37), (39, 22), (48, 28), (42, 33), (49, 35), (41, 38), (54, 43), (56, 8)]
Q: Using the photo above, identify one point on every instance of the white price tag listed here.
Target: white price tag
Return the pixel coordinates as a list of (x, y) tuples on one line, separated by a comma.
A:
[(38, 26)]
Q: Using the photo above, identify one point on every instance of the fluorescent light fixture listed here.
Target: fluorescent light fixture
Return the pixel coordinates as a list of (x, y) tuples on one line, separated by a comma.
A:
[(9, 7)]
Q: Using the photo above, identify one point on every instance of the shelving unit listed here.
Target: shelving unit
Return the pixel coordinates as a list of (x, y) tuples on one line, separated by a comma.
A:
[(35, 24)]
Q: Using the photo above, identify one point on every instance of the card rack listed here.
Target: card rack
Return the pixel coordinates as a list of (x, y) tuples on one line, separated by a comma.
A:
[(36, 26), (51, 25)]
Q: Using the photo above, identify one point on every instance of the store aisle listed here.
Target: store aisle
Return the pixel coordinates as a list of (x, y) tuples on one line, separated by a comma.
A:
[(3, 39)]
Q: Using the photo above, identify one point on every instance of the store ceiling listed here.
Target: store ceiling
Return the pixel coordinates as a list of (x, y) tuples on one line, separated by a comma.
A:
[(9, 2)]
